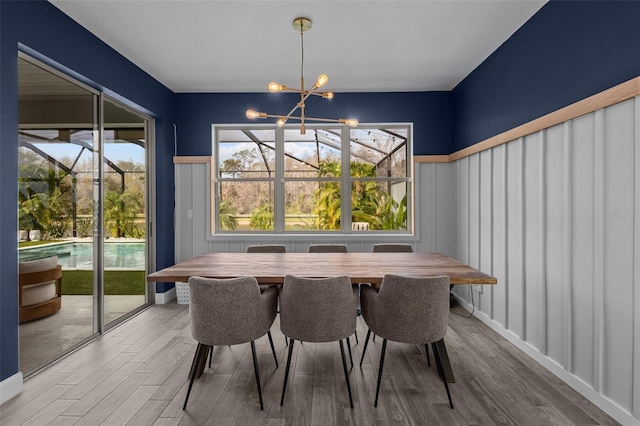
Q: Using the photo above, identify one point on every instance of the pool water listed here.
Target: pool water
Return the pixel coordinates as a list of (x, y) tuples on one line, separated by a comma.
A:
[(80, 255)]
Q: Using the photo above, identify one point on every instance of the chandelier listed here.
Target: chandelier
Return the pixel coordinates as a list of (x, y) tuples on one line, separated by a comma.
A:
[(301, 25)]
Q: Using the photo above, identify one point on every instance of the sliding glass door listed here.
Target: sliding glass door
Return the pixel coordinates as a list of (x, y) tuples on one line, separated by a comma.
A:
[(83, 205), (125, 218)]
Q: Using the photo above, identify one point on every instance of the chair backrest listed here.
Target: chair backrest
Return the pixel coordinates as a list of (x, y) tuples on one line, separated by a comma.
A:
[(392, 247), (317, 309), (413, 310), (328, 248), (228, 311), (267, 248)]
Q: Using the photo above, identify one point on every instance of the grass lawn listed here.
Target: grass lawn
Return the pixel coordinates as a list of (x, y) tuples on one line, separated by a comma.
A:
[(115, 282)]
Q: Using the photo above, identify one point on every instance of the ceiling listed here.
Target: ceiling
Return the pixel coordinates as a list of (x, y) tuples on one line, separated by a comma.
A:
[(363, 46)]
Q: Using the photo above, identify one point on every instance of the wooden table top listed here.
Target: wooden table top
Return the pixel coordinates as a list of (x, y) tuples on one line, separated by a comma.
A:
[(271, 268)]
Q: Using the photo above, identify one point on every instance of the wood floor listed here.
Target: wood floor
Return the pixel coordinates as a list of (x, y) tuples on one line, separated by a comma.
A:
[(137, 375)]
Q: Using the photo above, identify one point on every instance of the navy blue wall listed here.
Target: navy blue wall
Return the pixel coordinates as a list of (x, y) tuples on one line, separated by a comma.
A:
[(430, 113), (566, 52), (41, 29)]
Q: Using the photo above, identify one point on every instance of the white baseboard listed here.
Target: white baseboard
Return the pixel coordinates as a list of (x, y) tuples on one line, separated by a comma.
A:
[(611, 408), (166, 297), (10, 387)]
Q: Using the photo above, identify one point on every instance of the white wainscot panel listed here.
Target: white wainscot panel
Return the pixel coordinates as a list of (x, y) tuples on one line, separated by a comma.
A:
[(582, 246), (533, 238), (499, 213), (515, 237), (618, 252), (485, 243), (553, 232)]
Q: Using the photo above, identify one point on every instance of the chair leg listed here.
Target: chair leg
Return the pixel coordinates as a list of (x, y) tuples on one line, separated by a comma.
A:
[(210, 355), (436, 355), (349, 347), (374, 337), (366, 342), (384, 350), (346, 373), (426, 350), (194, 363), (255, 368), (192, 374), (286, 372), (356, 334), (273, 349)]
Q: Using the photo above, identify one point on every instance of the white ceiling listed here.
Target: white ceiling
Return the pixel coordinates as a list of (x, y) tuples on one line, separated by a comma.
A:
[(239, 46)]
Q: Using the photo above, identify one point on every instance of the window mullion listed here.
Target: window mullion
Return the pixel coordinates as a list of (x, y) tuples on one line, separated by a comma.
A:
[(279, 202), (345, 185)]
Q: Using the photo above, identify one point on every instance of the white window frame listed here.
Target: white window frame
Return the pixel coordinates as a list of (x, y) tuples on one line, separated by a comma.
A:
[(279, 181)]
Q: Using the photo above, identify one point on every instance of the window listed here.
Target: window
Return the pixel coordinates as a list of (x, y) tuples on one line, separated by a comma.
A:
[(333, 179)]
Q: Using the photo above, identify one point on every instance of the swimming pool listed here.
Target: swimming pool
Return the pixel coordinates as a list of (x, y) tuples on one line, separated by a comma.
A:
[(117, 255)]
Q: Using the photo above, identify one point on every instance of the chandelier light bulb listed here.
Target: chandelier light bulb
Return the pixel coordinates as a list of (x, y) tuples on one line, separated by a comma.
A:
[(352, 122), (327, 95), (322, 80), (255, 114), (275, 87), (280, 122)]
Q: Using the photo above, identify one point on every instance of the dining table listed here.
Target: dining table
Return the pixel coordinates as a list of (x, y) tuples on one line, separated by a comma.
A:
[(364, 267)]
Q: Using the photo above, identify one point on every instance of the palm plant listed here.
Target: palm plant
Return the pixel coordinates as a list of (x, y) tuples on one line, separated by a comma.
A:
[(43, 200), (262, 217), (120, 209), (227, 217)]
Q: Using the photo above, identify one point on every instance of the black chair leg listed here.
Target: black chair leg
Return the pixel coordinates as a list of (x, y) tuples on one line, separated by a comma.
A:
[(436, 355), (193, 363), (356, 334), (210, 355), (349, 347), (426, 349), (384, 350), (374, 337), (192, 374), (346, 373), (273, 349), (286, 372), (255, 368), (366, 342)]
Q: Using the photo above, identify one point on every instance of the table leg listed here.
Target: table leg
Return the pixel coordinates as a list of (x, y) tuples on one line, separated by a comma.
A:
[(446, 364)]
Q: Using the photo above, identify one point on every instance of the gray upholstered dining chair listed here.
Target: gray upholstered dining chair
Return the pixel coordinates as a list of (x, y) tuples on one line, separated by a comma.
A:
[(336, 248), (328, 248), (392, 248), (267, 248), (317, 310), (407, 310), (229, 312)]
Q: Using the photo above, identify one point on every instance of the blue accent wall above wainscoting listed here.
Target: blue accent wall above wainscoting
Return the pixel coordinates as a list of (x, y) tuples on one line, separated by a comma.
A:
[(566, 52), (430, 113)]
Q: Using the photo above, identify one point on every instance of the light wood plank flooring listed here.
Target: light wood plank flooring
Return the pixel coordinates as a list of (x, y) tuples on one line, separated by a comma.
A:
[(137, 375)]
